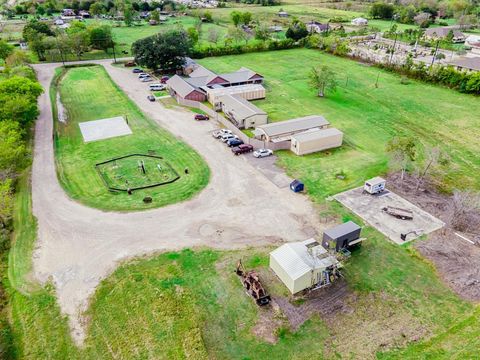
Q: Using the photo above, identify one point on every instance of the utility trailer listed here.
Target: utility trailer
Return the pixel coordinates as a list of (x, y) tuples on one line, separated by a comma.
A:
[(399, 213), (251, 282)]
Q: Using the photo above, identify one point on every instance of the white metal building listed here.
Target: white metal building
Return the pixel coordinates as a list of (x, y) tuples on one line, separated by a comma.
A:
[(242, 113), (248, 92), (284, 130), (316, 140), (301, 265)]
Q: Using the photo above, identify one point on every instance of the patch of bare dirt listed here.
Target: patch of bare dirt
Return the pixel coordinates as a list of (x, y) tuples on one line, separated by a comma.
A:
[(270, 319), (456, 259), (325, 302)]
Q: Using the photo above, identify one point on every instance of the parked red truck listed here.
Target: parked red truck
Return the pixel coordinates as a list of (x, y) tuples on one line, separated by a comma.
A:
[(242, 149)]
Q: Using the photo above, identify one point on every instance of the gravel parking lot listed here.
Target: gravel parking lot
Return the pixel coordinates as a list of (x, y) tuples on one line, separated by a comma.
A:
[(78, 246)]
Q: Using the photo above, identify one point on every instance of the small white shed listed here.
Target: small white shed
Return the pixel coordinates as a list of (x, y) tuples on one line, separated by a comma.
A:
[(316, 140), (301, 265), (360, 21)]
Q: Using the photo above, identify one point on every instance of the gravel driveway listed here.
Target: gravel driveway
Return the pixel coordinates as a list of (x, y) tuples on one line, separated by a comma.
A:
[(78, 246)]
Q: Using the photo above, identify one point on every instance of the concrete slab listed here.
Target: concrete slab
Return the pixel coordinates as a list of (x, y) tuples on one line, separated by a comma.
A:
[(369, 208), (104, 129)]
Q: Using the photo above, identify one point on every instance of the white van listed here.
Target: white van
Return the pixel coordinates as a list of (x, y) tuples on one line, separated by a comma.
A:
[(156, 87)]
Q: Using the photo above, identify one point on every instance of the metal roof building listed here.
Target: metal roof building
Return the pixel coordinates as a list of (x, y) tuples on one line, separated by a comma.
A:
[(301, 265), (248, 92), (311, 141), (241, 112), (179, 88), (283, 130)]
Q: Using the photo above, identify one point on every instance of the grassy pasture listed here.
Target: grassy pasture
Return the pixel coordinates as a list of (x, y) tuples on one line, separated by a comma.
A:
[(369, 117), (87, 93)]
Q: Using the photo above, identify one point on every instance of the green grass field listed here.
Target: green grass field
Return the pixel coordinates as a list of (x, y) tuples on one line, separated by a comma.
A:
[(191, 305), (367, 115), (87, 93)]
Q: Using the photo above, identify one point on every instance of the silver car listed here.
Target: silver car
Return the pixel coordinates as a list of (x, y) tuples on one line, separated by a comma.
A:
[(226, 137), (260, 153)]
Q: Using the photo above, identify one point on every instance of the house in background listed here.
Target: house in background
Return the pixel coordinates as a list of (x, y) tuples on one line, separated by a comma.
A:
[(442, 33), (473, 42), (359, 21), (466, 63), (316, 27)]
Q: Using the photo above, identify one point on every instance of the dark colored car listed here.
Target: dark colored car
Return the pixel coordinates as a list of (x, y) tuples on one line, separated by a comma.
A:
[(201, 117), (130, 63), (164, 79), (242, 149), (234, 142), (151, 98), (137, 71)]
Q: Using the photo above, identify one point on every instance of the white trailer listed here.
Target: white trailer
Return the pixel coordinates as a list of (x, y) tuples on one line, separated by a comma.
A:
[(375, 185)]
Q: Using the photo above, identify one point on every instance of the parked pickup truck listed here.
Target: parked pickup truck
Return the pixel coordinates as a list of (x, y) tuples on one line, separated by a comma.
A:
[(218, 134), (242, 149)]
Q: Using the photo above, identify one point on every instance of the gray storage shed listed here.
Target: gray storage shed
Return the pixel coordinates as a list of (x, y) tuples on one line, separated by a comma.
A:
[(342, 236)]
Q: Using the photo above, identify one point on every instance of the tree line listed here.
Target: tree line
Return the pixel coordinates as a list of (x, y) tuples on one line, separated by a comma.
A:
[(423, 13), (19, 91), (75, 40)]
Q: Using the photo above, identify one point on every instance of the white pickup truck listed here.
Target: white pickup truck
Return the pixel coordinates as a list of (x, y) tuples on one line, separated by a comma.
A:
[(219, 133)]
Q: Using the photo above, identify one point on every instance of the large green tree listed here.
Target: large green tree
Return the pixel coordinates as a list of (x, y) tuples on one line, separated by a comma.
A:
[(297, 30), (165, 51), (18, 100), (101, 37)]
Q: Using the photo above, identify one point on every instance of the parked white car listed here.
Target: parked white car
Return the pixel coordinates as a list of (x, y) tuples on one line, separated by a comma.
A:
[(157, 87), (146, 79), (260, 153), (142, 75), (218, 134), (226, 137)]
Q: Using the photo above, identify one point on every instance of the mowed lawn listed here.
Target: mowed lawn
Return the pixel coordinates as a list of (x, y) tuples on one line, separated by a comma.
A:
[(368, 116), (87, 93)]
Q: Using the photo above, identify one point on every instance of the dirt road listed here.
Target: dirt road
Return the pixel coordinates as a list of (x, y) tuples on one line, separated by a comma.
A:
[(78, 246)]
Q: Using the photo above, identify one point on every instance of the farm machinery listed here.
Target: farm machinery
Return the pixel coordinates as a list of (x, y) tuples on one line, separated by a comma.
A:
[(251, 282)]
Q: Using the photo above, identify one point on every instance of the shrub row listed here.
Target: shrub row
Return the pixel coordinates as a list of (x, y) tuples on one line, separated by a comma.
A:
[(201, 52)]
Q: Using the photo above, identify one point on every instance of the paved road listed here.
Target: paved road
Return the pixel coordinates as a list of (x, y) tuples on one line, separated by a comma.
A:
[(78, 246)]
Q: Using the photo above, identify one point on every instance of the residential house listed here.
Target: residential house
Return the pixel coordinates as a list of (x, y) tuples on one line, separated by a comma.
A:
[(316, 27), (442, 33), (359, 21)]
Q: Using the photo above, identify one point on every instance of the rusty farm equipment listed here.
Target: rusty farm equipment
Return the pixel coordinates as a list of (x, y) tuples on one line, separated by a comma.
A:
[(399, 213), (251, 282)]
